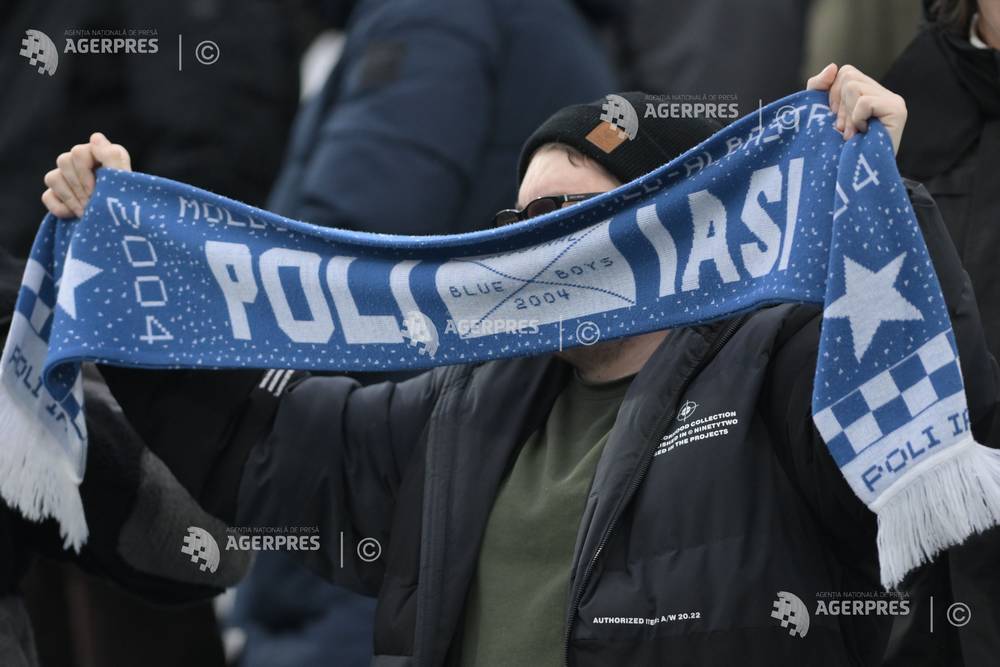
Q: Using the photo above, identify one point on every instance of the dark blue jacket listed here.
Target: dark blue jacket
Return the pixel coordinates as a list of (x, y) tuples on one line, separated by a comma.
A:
[(418, 128)]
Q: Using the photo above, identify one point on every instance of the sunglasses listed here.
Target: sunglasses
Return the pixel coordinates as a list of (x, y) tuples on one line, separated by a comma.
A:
[(537, 207)]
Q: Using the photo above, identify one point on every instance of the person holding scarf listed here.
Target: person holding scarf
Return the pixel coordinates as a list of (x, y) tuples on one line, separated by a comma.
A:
[(478, 479)]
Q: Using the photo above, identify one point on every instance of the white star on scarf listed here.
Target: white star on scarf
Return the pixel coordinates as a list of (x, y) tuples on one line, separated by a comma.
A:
[(869, 300), (75, 273)]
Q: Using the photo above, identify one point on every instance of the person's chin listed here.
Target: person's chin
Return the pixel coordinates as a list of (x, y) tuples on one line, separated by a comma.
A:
[(588, 356)]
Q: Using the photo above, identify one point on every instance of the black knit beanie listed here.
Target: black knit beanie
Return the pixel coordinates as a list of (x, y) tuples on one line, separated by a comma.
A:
[(618, 133)]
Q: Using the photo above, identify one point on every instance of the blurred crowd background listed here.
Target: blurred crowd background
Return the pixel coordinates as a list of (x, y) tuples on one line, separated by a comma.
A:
[(406, 116)]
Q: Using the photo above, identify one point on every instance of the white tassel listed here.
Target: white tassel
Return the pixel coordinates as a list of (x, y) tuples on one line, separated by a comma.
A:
[(956, 495), (35, 476)]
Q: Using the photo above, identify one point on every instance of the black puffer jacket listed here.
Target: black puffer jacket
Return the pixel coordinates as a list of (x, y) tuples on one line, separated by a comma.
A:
[(707, 531)]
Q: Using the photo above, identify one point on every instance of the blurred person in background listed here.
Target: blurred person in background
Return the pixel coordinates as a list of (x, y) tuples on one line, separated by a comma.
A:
[(834, 33), (427, 108), (191, 124), (224, 125), (415, 131), (714, 50), (950, 77)]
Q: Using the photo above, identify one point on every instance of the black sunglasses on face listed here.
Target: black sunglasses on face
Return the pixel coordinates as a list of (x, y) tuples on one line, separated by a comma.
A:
[(537, 207)]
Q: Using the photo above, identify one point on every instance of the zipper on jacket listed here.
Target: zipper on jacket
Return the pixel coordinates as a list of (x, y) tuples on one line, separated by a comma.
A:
[(639, 476)]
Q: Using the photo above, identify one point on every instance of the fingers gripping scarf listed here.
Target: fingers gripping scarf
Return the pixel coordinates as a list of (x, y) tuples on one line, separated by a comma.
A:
[(774, 208)]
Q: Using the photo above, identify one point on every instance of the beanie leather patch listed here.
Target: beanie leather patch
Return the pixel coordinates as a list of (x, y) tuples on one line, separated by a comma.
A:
[(606, 136)]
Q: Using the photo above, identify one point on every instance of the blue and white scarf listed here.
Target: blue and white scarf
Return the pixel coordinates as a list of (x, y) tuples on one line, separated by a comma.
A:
[(775, 208)]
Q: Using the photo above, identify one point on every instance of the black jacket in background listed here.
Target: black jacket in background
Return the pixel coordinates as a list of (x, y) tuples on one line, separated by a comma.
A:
[(222, 127), (713, 529), (952, 144)]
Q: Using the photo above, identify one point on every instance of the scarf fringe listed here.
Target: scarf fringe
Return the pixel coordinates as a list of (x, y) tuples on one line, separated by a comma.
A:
[(955, 496), (34, 475)]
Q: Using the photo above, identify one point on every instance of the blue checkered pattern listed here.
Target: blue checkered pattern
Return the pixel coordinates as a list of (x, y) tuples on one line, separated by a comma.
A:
[(37, 303), (890, 399), (37, 299)]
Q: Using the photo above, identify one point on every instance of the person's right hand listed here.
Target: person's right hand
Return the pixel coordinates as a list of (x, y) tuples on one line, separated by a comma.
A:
[(72, 181)]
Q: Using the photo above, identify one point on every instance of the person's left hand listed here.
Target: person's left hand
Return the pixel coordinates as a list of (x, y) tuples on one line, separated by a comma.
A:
[(856, 97)]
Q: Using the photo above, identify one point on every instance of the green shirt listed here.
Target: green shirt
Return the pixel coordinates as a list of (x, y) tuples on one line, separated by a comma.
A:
[(516, 610)]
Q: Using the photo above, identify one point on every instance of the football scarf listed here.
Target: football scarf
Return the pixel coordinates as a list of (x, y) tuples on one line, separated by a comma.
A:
[(774, 208)]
